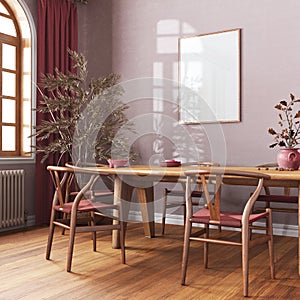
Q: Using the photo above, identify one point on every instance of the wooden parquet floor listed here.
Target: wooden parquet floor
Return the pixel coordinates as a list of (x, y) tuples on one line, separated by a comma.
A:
[(152, 271)]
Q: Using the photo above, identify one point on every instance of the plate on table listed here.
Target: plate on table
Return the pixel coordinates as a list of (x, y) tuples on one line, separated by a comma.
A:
[(170, 163)]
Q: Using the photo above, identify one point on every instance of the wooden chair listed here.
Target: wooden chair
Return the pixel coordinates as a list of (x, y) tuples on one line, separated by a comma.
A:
[(82, 211), (272, 200), (197, 194), (212, 215)]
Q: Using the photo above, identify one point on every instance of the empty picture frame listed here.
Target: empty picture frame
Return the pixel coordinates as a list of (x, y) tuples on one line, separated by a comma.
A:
[(209, 77)]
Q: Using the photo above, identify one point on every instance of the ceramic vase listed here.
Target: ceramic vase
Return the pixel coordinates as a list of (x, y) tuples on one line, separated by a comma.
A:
[(288, 158)]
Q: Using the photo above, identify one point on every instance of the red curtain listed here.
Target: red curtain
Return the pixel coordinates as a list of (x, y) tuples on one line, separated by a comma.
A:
[(56, 32)]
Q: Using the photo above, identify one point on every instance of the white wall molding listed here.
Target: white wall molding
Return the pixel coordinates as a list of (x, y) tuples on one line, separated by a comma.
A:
[(135, 216), (278, 229)]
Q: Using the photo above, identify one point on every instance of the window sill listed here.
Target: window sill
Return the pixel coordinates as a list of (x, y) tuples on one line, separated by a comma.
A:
[(17, 160)]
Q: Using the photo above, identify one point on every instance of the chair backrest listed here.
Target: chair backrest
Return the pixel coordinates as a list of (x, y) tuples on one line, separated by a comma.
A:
[(216, 178), (63, 179), (200, 164)]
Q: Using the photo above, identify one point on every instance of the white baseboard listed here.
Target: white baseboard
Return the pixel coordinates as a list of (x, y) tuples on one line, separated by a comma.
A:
[(278, 229)]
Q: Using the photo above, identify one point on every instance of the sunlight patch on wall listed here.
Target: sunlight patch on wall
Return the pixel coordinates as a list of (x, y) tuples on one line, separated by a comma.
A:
[(165, 91)]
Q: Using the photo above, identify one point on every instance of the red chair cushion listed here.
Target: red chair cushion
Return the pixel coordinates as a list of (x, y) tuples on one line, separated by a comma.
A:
[(227, 218), (278, 198), (84, 206), (182, 193)]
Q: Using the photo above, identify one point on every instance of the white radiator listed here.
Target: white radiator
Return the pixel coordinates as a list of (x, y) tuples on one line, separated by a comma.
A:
[(11, 198)]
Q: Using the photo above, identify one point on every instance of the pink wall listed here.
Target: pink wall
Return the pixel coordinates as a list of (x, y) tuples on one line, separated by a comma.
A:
[(138, 38), (144, 44), (94, 22)]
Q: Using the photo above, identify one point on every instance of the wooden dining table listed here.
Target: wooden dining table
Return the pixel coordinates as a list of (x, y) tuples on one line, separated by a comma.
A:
[(143, 178)]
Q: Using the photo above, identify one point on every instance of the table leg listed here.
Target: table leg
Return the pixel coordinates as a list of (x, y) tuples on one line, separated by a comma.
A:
[(122, 192), (146, 199)]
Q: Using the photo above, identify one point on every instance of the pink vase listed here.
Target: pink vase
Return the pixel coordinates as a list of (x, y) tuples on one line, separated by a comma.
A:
[(288, 158)]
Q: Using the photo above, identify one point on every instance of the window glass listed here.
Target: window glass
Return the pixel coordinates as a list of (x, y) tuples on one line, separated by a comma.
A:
[(8, 84), (3, 10), (9, 57), (26, 113), (26, 140), (27, 59), (8, 111), (8, 138), (7, 26), (26, 86)]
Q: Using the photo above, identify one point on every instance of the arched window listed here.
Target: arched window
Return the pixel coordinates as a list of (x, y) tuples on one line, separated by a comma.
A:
[(16, 78)]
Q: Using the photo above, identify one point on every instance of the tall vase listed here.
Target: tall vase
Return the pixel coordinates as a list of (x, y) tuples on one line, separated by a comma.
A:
[(288, 158)]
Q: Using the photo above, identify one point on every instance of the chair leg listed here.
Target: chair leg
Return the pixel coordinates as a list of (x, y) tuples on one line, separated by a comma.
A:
[(94, 237), (186, 245), (122, 232), (205, 246), (50, 236), (271, 244), (184, 214), (164, 212), (94, 234), (122, 241), (63, 231), (245, 258), (71, 242)]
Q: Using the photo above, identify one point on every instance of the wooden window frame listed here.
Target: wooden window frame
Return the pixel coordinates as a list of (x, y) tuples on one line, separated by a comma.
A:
[(14, 41)]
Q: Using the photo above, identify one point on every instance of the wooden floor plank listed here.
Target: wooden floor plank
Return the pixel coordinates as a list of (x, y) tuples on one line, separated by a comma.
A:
[(152, 271)]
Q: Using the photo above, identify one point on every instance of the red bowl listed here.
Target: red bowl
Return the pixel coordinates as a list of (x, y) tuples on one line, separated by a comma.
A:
[(170, 163), (116, 163)]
